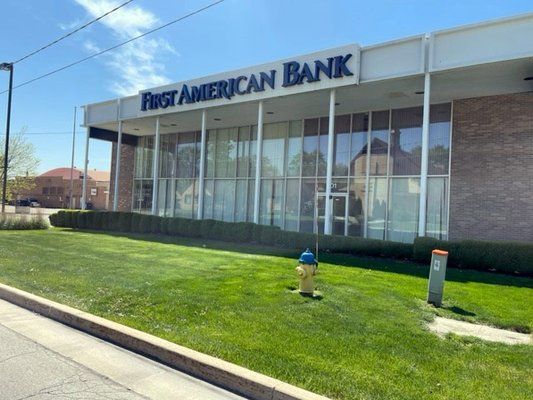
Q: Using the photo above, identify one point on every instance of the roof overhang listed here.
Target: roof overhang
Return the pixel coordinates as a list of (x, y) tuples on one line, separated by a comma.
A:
[(477, 60)]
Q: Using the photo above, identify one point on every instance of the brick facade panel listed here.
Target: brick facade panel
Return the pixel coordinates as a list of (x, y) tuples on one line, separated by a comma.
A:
[(491, 189), (127, 153)]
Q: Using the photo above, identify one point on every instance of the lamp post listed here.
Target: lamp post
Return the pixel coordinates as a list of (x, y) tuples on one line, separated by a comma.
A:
[(7, 67)]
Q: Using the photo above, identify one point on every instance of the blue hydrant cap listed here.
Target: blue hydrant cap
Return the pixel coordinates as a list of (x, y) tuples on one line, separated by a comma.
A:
[(307, 257)]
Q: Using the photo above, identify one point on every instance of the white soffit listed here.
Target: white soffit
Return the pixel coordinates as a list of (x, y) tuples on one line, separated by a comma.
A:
[(505, 39)]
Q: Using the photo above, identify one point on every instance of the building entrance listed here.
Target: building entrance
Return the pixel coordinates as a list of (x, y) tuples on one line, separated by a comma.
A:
[(338, 211)]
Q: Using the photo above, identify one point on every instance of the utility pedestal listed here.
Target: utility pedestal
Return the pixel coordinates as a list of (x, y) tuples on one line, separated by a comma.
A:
[(437, 273)]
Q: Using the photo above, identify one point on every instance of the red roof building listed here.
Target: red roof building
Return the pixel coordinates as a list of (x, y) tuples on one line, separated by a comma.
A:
[(52, 188)]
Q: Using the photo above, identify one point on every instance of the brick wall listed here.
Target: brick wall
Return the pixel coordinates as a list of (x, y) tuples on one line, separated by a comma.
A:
[(127, 153), (491, 192)]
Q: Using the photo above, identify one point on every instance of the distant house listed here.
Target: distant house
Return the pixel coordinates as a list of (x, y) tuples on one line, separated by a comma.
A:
[(52, 189)]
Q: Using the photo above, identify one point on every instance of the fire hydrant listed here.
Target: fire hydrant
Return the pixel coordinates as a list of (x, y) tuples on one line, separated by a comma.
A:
[(306, 270)]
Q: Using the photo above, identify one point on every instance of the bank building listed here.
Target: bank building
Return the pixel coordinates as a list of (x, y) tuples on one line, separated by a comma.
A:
[(430, 135)]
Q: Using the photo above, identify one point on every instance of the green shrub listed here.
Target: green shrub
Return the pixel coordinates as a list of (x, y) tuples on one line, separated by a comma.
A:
[(124, 221), (22, 222), (145, 223), (501, 256), (155, 224)]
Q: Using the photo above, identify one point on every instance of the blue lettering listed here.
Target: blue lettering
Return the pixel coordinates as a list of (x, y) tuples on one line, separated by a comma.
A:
[(253, 84), (210, 90), (340, 66), (197, 94), (184, 95), (321, 67), (222, 90), (291, 75), (231, 87), (145, 100), (306, 74), (237, 84), (268, 79)]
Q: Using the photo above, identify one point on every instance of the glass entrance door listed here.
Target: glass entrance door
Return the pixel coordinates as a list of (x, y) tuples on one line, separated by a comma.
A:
[(338, 212)]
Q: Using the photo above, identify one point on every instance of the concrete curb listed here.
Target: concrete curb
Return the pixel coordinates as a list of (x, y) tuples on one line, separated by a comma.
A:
[(213, 370)]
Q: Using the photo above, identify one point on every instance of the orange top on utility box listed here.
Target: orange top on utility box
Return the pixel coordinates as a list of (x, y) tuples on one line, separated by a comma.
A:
[(439, 252)]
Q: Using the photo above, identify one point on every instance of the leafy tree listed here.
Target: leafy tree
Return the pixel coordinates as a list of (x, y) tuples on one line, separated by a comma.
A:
[(21, 164)]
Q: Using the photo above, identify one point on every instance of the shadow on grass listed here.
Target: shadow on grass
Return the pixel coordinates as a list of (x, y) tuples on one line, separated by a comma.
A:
[(314, 296), (459, 311), (404, 267)]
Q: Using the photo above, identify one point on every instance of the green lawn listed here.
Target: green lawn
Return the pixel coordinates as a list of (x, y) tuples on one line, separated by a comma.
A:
[(365, 339)]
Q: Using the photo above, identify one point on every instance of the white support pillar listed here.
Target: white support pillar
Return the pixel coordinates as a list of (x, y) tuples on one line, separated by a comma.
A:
[(258, 164), (86, 164), (155, 188), (117, 167), (201, 175), (424, 159), (328, 212)]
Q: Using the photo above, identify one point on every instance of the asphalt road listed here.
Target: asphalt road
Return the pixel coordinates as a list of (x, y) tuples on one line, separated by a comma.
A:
[(41, 359)]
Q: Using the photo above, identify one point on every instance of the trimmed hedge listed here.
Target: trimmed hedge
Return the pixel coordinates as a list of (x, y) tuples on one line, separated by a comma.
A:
[(509, 257), (500, 256)]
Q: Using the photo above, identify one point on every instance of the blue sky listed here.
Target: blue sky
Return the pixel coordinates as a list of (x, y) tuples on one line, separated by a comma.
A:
[(230, 35)]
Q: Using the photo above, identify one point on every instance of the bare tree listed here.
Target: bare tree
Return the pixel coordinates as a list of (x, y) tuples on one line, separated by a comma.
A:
[(21, 164)]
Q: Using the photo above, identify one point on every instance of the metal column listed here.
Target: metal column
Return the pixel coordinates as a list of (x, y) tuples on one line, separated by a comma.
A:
[(86, 164), (424, 160), (258, 162), (328, 222), (155, 188), (201, 177), (117, 166)]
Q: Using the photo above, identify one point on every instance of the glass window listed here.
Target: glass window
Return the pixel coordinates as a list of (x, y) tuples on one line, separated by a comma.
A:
[(356, 204), (186, 155), (186, 198), (210, 156), (307, 205), (377, 208), (208, 198), (291, 205), (310, 147), (379, 143), (406, 141), (226, 153), (271, 202), (251, 199), (341, 155), (241, 197), (253, 151), (439, 139), (144, 157), (358, 145), (243, 152), (224, 200), (294, 149), (323, 147), (142, 195), (166, 156), (403, 209), (274, 136), (164, 194), (437, 210)]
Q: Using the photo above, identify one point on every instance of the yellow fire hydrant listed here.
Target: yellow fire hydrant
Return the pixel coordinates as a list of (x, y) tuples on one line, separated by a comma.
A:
[(306, 270)]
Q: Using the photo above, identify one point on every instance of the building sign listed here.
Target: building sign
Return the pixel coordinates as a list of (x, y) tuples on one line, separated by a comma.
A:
[(332, 68)]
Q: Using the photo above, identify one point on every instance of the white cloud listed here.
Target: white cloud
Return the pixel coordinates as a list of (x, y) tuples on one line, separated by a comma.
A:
[(70, 26), (135, 63)]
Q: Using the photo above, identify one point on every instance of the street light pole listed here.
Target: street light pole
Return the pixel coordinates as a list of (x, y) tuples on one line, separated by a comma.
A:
[(7, 67)]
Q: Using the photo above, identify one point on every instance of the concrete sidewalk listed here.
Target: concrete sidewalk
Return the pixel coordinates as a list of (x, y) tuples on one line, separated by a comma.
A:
[(443, 326), (43, 359), (247, 383)]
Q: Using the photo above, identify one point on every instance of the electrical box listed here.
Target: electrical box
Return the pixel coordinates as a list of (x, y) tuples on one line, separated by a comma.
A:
[(437, 274)]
